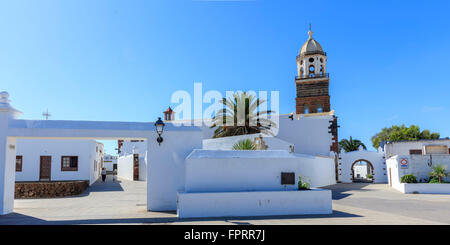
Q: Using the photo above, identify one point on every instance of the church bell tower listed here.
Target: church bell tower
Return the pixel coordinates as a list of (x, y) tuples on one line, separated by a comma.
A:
[(312, 81)]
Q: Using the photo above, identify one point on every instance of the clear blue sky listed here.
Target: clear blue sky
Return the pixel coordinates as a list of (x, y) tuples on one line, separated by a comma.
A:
[(122, 60)]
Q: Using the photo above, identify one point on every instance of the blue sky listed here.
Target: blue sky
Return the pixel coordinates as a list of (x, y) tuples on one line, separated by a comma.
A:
[(122, 60)]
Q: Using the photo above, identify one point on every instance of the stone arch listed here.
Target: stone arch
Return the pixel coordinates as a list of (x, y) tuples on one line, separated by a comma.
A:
[(361, 160)]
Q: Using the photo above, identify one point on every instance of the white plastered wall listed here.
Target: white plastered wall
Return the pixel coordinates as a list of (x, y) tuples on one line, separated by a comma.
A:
[(218, 170), (32, 149)]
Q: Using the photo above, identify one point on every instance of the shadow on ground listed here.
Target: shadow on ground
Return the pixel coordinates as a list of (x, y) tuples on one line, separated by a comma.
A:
[(340, 191), (20, 219), (108, 185)]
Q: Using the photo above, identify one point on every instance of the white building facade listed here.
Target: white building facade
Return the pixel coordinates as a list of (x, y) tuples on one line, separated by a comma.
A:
[(58, 160)]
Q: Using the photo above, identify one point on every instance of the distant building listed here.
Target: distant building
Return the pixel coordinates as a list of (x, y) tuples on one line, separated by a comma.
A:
[(132, 160), (110, 162), (419, 147)]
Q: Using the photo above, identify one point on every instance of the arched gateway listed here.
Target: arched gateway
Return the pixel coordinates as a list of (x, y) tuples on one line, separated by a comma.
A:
[(165, 172), (373, 160), (365, 175)]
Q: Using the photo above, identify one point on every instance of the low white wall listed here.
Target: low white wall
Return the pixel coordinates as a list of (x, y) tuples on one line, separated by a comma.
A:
[(227, 143), (260, 203), (222, 171), (346, 159), (423, 188)]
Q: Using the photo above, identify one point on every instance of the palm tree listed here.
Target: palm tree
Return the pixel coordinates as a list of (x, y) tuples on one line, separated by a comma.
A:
[(439, 172), (229, 121), (351, 145)]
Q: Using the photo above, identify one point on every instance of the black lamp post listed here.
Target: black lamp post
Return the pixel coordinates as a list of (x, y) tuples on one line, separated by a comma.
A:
[(159, 126)]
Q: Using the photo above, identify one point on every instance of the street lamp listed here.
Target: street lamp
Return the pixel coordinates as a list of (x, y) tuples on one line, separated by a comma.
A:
[(159, 126)]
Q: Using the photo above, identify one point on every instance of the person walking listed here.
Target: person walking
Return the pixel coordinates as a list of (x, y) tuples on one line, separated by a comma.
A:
[(114, 174), (103, 174)]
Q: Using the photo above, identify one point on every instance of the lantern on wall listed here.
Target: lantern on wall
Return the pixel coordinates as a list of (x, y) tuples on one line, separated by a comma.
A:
[(159, 127)]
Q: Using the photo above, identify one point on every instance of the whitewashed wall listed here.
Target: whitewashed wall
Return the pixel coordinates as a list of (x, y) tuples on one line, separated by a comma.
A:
[(346, 159), (129, 147), (166, 174), (308, 134), (95, 168), (216, 171), (417, 165), (125, 167), (261, 203), (227, 143), (32, 149)]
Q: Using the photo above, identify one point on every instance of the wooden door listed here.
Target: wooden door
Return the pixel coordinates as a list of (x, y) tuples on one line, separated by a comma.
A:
[(45, 168), (135, 166)]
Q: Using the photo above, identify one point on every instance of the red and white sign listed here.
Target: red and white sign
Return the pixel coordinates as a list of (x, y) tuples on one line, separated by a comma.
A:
[(404, 163)]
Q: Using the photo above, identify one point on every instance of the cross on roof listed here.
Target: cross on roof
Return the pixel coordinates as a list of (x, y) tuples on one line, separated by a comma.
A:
[(46, 115)]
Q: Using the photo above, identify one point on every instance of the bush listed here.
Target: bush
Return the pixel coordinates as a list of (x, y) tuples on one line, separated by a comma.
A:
[(409, 178), (302, 184), (369, 176), (245, 144), (434, 181)]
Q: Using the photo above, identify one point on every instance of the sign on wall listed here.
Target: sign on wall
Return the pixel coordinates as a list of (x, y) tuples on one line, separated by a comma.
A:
[(404, 163)]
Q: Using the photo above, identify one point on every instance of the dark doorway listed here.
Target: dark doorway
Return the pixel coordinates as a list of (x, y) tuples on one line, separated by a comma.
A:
[(135, 166), (45, 168), (114, 166)]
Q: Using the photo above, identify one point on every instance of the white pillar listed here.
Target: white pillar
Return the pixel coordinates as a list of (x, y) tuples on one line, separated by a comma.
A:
[(7, 155), (7, 174), (165, 166)]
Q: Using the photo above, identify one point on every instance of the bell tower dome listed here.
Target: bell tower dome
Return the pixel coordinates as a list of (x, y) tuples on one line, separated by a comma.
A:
[(312, 80)]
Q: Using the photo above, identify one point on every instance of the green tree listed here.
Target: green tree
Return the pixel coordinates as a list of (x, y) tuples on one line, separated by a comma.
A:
[(351, 144), (439, 172), (402, 133), (252, 122)]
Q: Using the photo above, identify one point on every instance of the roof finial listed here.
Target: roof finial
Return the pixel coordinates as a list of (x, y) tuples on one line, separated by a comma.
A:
[(310, 31)]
